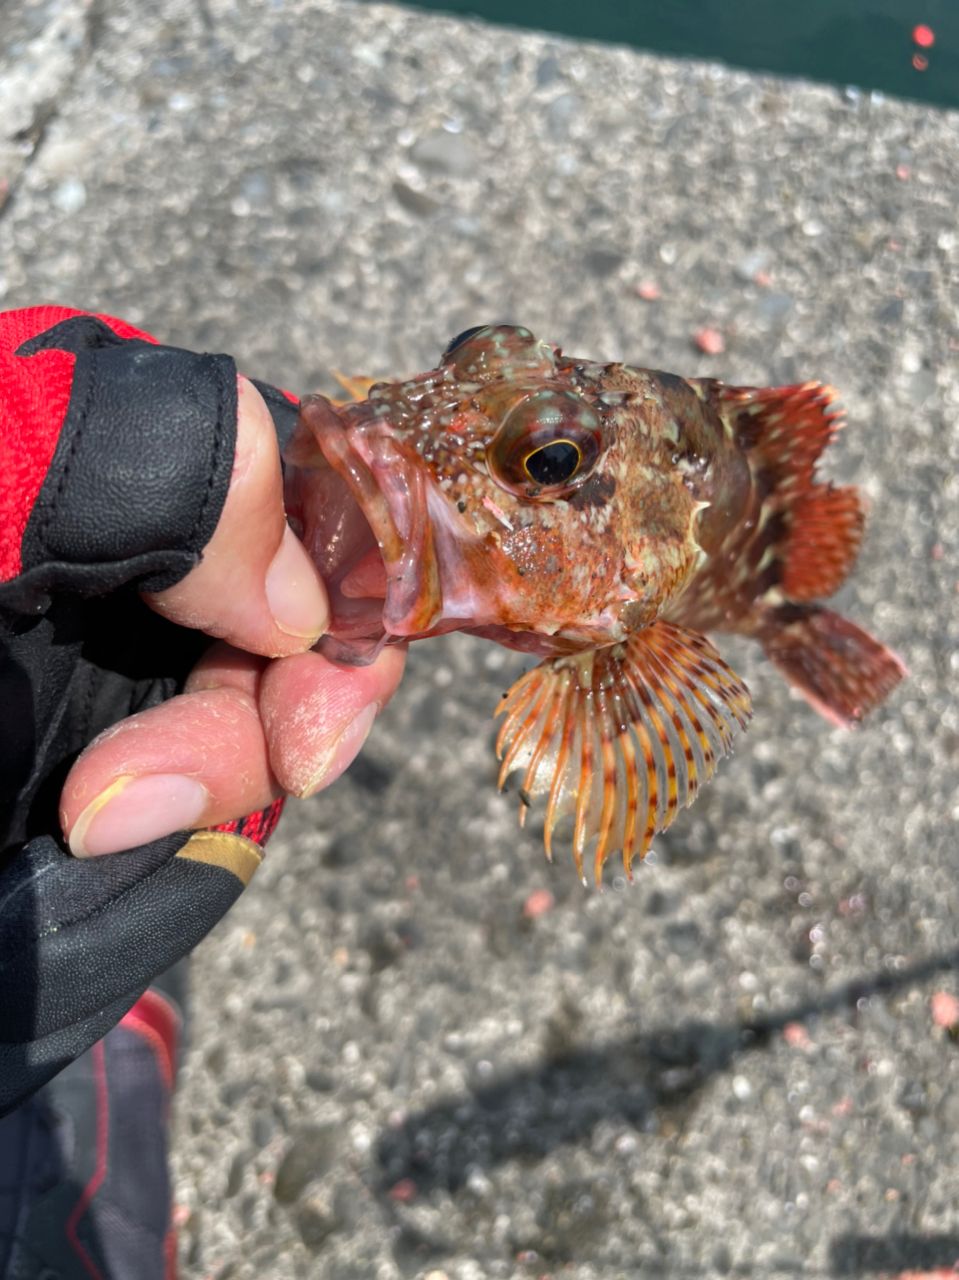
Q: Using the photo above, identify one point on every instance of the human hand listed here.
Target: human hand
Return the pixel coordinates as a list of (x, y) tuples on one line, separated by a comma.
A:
[(260, 714), (131, 471)]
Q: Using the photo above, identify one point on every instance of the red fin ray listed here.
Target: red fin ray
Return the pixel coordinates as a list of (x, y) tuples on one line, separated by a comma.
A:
[(787, 427), (824, 535), (620, 738), (838, 668), (798, 538)]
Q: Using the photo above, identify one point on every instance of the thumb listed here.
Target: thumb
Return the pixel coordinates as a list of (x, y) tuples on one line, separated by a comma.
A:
[(256, 585)]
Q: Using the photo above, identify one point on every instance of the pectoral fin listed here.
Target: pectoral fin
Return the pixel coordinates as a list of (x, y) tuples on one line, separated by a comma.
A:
[(620, 737)]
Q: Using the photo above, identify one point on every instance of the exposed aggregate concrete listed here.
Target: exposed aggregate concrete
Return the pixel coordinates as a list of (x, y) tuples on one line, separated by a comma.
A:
[(730, 1068)]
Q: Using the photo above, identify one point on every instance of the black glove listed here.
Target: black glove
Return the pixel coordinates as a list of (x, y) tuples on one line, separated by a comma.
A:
[(116, 457)]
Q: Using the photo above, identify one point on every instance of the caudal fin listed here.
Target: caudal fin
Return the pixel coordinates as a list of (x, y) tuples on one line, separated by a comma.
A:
[(838, 668)]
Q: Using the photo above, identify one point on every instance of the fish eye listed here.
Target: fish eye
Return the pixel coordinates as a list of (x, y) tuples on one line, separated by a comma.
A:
[(547, 444), (554, 463), (460, 338)]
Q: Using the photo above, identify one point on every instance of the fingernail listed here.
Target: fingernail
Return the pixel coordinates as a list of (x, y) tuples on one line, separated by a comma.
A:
[(294, 593), (343, 751), (133, 811)]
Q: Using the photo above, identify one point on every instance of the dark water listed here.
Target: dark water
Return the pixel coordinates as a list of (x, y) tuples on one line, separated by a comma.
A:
[(865, 43)]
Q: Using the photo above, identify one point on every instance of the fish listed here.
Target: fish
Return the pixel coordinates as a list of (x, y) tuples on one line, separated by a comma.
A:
[(603, 518)]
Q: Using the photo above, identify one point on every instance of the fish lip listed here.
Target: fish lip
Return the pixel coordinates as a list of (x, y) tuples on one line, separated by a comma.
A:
[(440, 576), (389, 487)]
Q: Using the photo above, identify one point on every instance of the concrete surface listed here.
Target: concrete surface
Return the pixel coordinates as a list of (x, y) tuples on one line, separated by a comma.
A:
[(732, 1068)]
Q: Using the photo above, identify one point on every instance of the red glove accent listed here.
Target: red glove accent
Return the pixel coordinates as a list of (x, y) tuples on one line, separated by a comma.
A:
[(34, 394), (258, 826)]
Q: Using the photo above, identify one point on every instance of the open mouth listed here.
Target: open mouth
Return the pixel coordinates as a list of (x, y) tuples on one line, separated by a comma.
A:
[(398, 558), (360, 505)]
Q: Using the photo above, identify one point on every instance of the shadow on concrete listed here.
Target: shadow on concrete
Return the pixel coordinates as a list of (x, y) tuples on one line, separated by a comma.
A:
[(526, 1114), (855, 1255)]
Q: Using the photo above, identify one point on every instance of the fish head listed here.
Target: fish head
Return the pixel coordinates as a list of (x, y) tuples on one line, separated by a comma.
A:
[(542, 500)]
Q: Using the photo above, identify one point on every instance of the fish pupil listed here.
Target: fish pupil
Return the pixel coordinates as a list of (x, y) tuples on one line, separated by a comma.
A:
[(554, 463)]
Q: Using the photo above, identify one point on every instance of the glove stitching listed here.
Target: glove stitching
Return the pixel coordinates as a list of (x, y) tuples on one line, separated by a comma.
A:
[(50, 505), (58, 926), (217, 450), (86, 708)]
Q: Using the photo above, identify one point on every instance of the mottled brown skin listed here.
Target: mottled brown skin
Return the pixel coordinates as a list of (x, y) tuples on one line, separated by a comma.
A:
[(601, 516), (599, 558)]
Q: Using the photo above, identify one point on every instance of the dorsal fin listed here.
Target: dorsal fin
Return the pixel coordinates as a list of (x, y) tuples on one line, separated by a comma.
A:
[(355, 388), (813, 530), (824, 531), (787, 427)]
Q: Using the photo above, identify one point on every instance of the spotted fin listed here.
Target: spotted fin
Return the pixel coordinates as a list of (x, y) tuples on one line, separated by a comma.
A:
[(619, 738), (838, 668), (815, 529), (825, 531)]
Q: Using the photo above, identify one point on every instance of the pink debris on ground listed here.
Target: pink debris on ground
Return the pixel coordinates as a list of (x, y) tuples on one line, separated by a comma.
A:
[(649, 291), (937, 1273), (903, 172), (403, 1191), (538, 903), (710, 341), (796, 1036), (945, 1010), (762, 279)]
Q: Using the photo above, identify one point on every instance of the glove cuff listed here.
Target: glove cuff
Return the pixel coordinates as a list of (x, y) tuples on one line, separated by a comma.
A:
[(80, 940)]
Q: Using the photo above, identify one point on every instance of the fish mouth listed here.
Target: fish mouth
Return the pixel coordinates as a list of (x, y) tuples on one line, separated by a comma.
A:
[(398, 559), (361, 503)]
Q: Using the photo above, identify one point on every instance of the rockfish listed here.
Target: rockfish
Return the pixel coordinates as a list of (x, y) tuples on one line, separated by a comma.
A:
[(602, 517)]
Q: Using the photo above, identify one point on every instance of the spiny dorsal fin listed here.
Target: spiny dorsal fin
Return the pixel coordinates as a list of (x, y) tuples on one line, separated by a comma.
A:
[(620, 737), (818, 527), (788, 427), (824, 533), (355, 388)]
